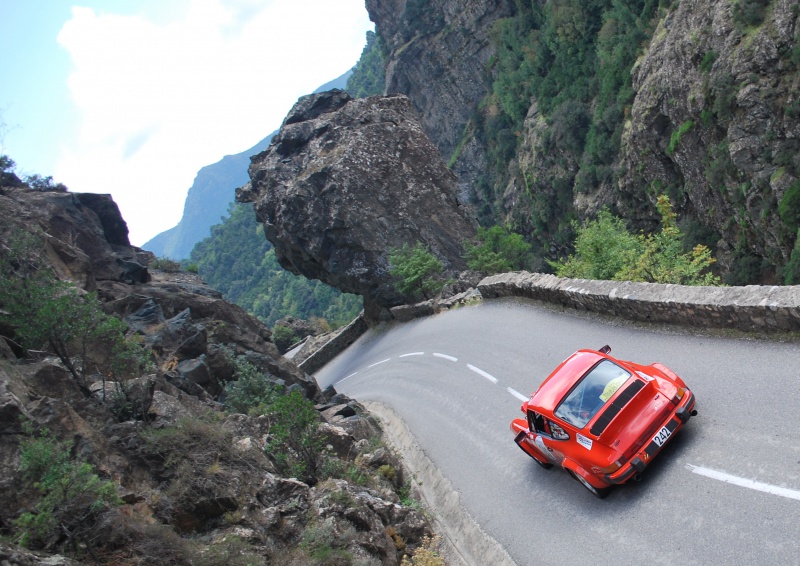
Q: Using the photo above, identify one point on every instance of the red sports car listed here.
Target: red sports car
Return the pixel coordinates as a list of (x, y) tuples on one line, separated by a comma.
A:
[(602, 419)]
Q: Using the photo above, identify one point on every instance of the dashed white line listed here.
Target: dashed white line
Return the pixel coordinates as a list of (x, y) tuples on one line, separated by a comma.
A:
[(413, 354), (482, 373), (348, 377), (744, 482), (516, 394), (379, 363), (445, 356)]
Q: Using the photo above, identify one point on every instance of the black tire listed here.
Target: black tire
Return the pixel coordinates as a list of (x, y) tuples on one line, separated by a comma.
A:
[(598, 492), (546, 466)]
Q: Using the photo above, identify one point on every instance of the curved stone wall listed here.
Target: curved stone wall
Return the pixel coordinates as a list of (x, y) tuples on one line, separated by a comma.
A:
[(756, 308)]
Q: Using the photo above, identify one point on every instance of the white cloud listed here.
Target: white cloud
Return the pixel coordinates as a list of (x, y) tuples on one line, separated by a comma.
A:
[(156, 102)]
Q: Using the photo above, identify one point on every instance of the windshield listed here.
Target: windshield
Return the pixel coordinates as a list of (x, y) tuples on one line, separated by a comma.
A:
[(591, 393)]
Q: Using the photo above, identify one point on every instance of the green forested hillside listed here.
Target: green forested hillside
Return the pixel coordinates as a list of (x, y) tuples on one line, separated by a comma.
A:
[(369, 75), (574, 59), (239, 261)]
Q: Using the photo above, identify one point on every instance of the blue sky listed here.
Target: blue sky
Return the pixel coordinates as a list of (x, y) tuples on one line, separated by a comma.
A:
[(133, 97)]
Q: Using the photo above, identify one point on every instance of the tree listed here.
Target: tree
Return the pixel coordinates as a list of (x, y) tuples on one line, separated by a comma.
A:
[(498, 251), (663, 259), (49, 313), (72, 496), (603, 248), (416, 270)]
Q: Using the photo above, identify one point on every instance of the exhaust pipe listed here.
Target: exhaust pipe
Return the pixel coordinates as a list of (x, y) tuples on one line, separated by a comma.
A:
[(693, 412)]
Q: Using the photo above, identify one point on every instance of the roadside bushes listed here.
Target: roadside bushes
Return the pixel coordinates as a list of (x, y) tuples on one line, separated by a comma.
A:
[(604, 249)]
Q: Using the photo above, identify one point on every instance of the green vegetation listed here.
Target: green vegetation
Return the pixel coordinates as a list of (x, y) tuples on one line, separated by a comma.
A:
[(792, 271), (604, 249), (677, 135), (369, 74), (294, 441), (416, 270), (251, 392), (71, 495), (426, 555), (789, 207), (498, 251), (749, 13), (240, 262), (574, 59), (34, 182), (53, 314)]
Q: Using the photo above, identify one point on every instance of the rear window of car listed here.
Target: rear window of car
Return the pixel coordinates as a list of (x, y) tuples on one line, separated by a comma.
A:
[(591, 393)]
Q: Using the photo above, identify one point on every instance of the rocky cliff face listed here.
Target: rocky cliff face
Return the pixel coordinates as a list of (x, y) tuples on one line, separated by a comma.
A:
[(190, 477), (438, 55), (714, 123), (347, 180), (716, 115)]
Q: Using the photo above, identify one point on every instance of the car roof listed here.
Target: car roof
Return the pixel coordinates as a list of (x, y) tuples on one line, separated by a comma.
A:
[(563, 378)]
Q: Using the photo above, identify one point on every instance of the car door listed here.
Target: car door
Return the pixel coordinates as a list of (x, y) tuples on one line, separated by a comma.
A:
[(550, 438)]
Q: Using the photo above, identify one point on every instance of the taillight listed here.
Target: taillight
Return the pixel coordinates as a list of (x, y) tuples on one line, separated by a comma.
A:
[(615, 465), (679, 395)]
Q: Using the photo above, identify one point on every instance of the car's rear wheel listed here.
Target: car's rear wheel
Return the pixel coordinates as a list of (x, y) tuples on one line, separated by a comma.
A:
[(599, 492), (545, 465)]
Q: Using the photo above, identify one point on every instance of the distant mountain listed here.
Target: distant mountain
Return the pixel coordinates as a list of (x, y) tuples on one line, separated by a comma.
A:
[(211, 194)]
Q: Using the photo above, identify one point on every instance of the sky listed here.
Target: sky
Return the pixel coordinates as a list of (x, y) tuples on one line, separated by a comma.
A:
[(133, 97)]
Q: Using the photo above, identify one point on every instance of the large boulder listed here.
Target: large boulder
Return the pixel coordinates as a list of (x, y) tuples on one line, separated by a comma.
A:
[(346, 181)]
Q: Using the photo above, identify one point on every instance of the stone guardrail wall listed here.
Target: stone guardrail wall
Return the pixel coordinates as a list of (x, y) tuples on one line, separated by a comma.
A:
[(335, 345), (754, 308)]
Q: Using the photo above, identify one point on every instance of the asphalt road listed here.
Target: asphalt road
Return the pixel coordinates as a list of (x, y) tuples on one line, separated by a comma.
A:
[(726, 490)]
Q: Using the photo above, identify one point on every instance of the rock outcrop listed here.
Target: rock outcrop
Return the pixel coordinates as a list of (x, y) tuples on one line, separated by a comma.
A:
[(714, 123), (347, 180), (189, 477), (732, 90), (438, 55)]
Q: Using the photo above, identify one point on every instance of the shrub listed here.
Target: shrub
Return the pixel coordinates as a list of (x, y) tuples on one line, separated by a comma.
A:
[(498, 251), (747, 13), (792, 271), (251, 392), (789, 207), (663, 259), (44, 184), (416, 270), (677, 135), (283, 337), (603, 248), (708, 61), (425, 555), (165, 264), (71, 495), (295, 442), (48, 313)]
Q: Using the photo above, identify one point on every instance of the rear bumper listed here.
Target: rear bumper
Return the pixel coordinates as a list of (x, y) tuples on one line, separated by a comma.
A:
[(645, 455)]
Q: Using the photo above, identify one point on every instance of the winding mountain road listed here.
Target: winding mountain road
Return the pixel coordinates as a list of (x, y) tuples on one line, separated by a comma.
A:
[(726, 490)]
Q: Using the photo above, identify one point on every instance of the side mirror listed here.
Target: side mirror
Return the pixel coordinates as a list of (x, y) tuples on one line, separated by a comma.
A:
[(605, 349)]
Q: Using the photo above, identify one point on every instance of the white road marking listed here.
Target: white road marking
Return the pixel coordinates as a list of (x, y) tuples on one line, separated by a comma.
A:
[(744, 482), (446, 357), (517, 394), (413, 354), (379, 363), (482, 373), (348, 377)]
